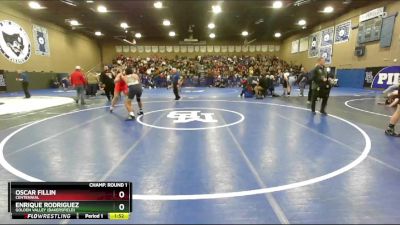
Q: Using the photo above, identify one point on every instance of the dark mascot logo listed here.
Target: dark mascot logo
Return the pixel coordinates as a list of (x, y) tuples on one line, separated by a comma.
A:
[(14, 42), (386, 77)]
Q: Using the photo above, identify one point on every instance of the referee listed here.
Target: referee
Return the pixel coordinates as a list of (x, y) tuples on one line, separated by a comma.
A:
[(321, 85), (175, 81), (23, 77)]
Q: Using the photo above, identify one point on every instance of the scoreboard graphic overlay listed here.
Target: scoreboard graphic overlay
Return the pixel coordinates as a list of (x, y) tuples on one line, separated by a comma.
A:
[(70, 200)]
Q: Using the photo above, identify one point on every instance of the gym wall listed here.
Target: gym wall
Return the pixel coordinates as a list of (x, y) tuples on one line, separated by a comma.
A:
[(343, 54), (67, 48), (109, 49)]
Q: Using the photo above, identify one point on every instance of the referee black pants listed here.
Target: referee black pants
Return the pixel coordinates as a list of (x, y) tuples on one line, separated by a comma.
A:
[(315, 95), (176, 91), (25, 86)]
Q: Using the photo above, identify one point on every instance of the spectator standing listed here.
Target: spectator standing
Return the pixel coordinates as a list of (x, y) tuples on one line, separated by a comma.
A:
[(92, 81), (78, 81), (302, 80)]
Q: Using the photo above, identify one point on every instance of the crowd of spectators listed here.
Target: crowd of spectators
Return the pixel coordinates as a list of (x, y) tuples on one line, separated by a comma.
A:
[(217, 71), (256, 75)]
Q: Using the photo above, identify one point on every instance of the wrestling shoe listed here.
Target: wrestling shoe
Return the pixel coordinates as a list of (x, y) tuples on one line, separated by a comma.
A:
[(130, 117), (391, 132)]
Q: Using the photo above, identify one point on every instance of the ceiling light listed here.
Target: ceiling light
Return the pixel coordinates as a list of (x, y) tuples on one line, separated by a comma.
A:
[(211, 25), (89, 1), (278, 35), (74, 22), (172, 34), (245, 33), (158, 5), (328, 9), (212, 35), (303, 27), (216, 9), (124, 25), (277, 4), (35, 5), (138, 35), (101, 9), (302, 22), (166, 22), (98, 33)]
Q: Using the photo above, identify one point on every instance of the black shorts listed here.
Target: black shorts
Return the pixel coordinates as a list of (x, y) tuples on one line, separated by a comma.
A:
[(285, 84), (135, 90)]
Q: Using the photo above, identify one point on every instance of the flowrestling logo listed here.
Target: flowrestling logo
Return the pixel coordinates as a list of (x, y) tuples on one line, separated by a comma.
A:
[(386, 77), (14, 42)]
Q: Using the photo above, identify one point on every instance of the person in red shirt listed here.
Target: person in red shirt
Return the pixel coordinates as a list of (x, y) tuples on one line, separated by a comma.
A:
[(78, 81)]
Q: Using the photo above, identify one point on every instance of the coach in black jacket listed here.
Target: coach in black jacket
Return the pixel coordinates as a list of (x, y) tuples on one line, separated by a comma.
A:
[(321, 85)]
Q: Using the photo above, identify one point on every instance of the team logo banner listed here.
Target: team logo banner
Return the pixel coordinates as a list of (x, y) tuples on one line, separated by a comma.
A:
[(342, 32), (147, 49), (252, 48), (126, 48), (41, 40), (3, 85), (264, 48), (303, 44), (295, 46), (326, 53), (14, 42), (141, 49), (327, 36), (386, 77), (313, 42), (370, 72), (224, 48), (154, 49)]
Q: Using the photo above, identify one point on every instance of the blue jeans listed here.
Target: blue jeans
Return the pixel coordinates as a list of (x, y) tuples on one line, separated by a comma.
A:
[(80, 94)]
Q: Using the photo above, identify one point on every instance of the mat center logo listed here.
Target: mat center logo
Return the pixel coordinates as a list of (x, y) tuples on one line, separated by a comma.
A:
[(14, 42), (191, 116)]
